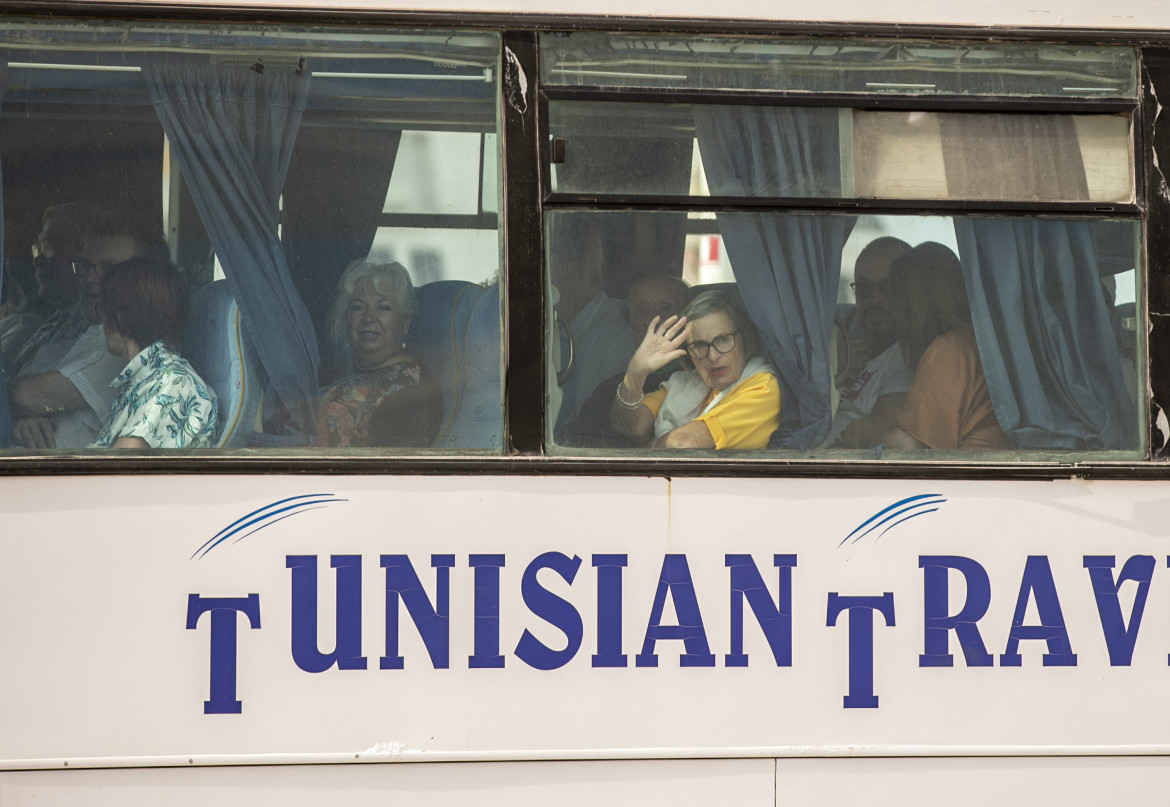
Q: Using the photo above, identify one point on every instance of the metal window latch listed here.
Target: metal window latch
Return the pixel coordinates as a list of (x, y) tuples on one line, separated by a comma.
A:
[(558, 150)]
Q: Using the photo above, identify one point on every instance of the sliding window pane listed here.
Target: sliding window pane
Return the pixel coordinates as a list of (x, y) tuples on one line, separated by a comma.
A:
[(826, 65), (327, 197), (645, 150), (837, 336), (993, 157)]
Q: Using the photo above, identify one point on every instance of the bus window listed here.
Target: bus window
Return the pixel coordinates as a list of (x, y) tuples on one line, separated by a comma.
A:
[(441, 208), (1004, 330), (282, 156), (640, 149), (863, 67)]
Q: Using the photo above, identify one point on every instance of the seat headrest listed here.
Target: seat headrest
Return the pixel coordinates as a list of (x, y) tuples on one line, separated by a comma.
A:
[(215, 344)]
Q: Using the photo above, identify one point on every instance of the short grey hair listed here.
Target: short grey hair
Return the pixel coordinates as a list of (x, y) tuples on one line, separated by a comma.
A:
[(388, 278), (711, 302)]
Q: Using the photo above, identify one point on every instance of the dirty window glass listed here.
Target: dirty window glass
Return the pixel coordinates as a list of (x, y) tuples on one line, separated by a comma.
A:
[(844, 337), (825, 65), (268, 238), (646, 150), (843, 279)]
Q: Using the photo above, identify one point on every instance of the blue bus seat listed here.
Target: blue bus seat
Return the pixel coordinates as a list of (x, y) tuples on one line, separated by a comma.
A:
[(215, 344), (478, 421), (455, 335)]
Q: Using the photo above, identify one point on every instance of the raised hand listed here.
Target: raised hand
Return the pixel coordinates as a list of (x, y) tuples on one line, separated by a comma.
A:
[(663, 343)]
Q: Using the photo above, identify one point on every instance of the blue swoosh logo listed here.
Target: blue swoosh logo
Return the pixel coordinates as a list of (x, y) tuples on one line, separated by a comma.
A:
[(266, 516), (899, 512)]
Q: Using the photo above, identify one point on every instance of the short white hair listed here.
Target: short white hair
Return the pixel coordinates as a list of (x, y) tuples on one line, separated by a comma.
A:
[(388, 278)]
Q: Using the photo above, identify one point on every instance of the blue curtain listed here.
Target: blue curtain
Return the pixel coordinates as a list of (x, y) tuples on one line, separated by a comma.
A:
[(1047, 335), (786, 265), (232, 129), (5, 412)]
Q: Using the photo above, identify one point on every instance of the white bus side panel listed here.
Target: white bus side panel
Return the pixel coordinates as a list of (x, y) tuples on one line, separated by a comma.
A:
[(109, 615)]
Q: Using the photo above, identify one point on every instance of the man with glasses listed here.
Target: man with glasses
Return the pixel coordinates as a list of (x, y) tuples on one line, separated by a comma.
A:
[(61, 394), (879, 376), (60, 243)]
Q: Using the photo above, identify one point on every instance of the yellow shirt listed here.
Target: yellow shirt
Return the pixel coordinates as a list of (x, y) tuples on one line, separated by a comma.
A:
[(745, 418)]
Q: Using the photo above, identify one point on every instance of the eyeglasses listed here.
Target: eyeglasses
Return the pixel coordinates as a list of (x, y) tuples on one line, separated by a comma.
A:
[(866, 289), (723, 343), (79, 266), (83, 265)]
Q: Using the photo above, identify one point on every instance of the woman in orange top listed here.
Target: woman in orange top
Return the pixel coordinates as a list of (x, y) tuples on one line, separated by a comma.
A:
[(948, 405)]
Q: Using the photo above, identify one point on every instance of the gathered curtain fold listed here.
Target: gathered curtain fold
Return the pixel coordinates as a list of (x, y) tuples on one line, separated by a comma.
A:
[(232, 128), (786, 265), (1047, 334)]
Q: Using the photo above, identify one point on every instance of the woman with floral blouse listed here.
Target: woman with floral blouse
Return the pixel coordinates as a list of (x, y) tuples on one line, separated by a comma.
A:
[(161, 401)]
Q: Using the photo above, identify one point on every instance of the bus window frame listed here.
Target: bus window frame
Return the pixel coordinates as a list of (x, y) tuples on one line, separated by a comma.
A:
[(584, 201), (522, 120)]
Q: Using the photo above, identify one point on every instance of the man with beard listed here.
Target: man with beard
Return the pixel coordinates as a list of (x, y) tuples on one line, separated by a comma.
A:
[(879, 375)]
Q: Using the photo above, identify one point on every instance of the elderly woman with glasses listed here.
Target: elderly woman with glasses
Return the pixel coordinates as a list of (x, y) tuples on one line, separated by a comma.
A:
[(729, 399)]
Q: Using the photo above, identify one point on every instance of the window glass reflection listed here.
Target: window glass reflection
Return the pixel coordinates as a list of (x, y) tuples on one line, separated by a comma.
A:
[(648, 150), (859, 320), (323, 149), (828, 65)]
